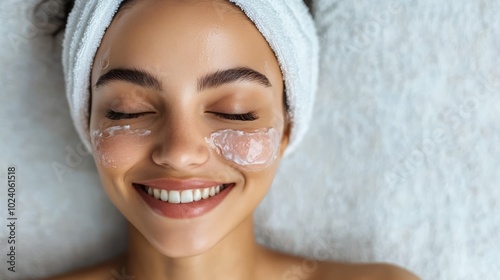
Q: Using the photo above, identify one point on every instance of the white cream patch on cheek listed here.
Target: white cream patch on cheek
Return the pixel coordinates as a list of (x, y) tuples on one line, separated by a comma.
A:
[(112, 145), (253, 151)]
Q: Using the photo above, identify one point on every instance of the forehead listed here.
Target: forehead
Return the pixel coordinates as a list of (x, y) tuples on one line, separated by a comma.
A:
[(181, 39)]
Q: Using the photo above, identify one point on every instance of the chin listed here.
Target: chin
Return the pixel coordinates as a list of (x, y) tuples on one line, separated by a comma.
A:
[(178, 238), (176, 246)]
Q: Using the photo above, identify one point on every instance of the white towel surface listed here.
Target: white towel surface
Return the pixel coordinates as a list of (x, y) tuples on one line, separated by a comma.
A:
[(398, 165)]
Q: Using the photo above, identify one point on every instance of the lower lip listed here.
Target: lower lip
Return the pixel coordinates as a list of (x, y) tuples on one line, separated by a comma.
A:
[(183, 210)]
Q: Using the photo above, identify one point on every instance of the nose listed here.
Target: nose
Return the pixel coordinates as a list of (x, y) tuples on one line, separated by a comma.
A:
[(181, 145)]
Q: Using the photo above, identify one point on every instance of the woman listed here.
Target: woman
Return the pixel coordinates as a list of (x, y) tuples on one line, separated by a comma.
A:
[(188, 120)]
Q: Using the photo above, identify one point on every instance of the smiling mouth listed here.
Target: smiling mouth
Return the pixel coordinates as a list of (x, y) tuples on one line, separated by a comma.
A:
[(183, 196)]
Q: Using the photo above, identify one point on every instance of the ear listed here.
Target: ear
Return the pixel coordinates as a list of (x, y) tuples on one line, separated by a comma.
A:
[(285, 138)]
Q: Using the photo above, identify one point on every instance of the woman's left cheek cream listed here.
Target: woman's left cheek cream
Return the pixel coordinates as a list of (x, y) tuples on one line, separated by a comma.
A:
[(251, 151), (113, 146)]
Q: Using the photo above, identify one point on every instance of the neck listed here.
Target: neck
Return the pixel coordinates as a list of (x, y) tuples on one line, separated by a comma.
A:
[(234, 257)]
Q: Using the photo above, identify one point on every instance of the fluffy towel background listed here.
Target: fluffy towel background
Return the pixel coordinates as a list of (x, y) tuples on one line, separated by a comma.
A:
[(399, 165)]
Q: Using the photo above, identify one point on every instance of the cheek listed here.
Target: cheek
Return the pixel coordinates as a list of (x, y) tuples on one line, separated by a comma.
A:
[(117, 146), (252, 151)]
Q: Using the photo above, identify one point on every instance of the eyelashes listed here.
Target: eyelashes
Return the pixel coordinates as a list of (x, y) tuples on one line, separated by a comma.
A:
[(250, 116), (113, 115)]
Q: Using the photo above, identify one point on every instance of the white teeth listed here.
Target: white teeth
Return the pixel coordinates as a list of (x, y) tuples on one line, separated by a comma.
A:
[(186, 196), (205, 193), (174, 197), (156, 193), (164, 195), (197, 195)]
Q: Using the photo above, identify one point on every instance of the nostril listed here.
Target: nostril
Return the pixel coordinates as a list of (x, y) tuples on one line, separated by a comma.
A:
[(181, 153)]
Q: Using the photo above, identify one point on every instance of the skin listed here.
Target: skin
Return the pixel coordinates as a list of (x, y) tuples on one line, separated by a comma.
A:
[(179, 42)]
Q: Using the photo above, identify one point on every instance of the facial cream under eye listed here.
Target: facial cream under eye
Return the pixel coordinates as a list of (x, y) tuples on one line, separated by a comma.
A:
[(105, 156), (253, 151)]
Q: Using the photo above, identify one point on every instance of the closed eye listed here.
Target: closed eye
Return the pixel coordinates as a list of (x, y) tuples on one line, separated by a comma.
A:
[(113, 115), (250, 116)]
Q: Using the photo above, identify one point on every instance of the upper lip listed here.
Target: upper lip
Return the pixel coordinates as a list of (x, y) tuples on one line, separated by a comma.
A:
[(175, 184)]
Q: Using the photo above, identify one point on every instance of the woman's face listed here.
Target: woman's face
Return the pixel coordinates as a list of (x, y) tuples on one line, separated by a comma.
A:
[(186, 95)]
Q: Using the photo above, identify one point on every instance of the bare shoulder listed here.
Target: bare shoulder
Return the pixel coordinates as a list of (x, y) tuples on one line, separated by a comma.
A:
[(363, 271), (105, 271), (283, 266)]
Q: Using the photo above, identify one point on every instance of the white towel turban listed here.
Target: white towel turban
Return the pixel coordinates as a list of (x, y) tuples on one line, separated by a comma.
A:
[(287, 26)]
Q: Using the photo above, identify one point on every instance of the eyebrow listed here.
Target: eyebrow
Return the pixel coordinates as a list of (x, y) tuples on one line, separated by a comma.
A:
[(218, 78), (221, 77), (131, 75)]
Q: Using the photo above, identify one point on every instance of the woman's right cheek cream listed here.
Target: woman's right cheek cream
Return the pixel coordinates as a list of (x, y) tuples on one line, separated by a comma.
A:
[(109, 144)]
